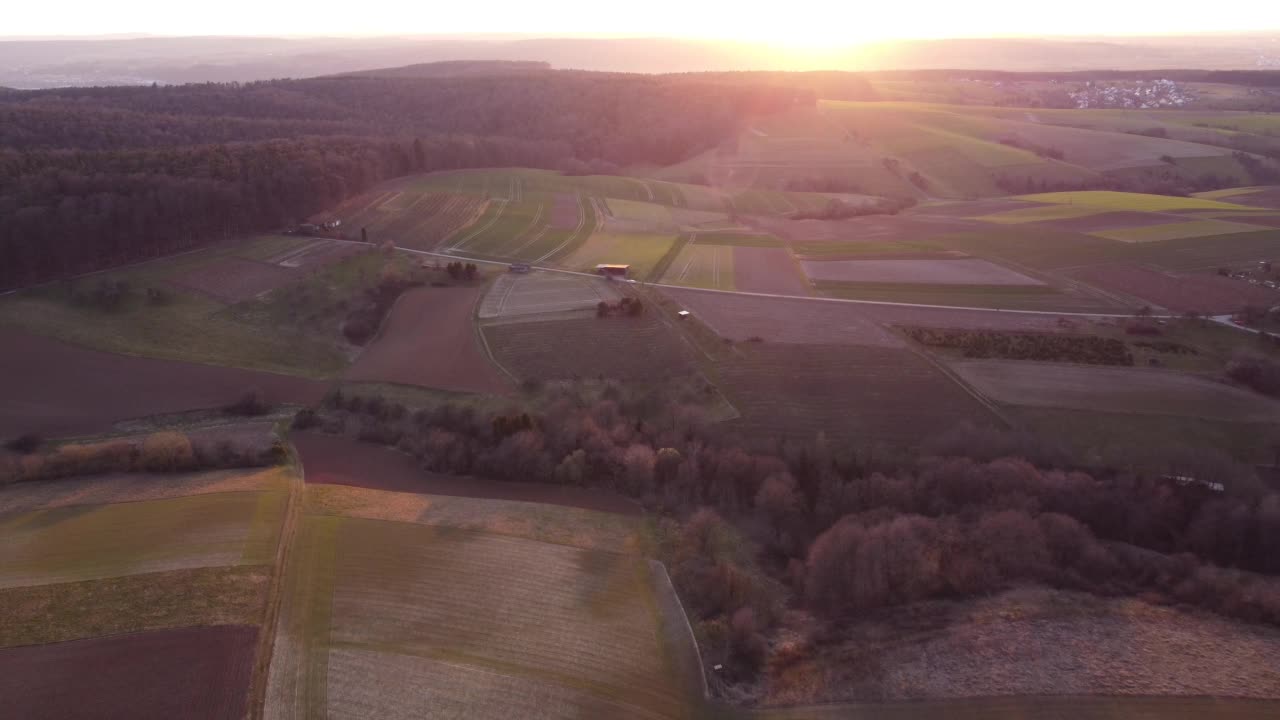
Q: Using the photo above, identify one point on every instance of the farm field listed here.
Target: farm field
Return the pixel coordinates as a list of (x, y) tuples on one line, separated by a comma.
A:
[(622, 348), (528, 296), (1139, 202), (1119, 390), (1200, 293), (851, 393), (459, 619), (642, 251), (338, 461), (1000, 657), (767, 270), (429, 339), (199, 673), (784, 320), (1177, 231), (937, 272), (89, 542), (214, 325), (702, 265), (95, 390)]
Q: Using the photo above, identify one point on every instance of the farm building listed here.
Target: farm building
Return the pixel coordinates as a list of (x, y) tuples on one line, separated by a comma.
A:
[(609, 270)]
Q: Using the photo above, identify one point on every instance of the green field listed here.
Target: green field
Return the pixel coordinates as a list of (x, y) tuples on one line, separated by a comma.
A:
[(641, 251), (1177, 231), (1137, 202), (1039, 214), (702, 265)]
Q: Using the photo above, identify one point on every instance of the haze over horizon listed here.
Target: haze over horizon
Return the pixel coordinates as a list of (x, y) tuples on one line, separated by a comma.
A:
[(807, 24)]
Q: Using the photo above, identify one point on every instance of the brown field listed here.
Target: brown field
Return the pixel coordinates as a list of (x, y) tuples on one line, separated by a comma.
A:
[(1032, 641), (869, 228), (1179, 293), (191, 673), (336, 460), (767, 270), (235, 279), (1265, 198), (621, 348), (134, 487), (541, 521), (784, 320), (855, 394), (975, 319), (430, 340), (1137, 390), (933, 272), (514, 296), (56, 388)]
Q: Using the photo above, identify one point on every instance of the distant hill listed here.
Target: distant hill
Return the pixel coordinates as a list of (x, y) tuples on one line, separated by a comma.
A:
[(457, 68), (174, 60)]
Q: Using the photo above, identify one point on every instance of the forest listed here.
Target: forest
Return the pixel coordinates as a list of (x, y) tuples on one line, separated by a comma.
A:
[(93, 177)]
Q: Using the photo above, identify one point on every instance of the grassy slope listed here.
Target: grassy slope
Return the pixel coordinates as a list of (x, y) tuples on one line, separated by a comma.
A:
[(290, 330)]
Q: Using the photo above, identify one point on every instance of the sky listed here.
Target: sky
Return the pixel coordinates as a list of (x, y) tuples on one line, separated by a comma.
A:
[(797, 23)]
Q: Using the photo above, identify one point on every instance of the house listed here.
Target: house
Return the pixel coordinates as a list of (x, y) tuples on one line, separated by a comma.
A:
[(609, 270)]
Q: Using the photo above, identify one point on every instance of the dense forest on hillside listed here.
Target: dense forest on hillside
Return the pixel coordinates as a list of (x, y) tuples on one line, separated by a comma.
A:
[(98, 176)]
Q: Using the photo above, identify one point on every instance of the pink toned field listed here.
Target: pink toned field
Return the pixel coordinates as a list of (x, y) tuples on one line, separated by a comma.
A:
[(785, 320), (1179, 293), (969, 271), (767, 270), (430, 340), (197, 673), (52, 387)]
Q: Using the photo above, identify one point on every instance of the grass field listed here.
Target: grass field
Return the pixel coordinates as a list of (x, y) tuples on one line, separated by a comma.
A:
[(1177, 231), (289, 329), (1110, 200), (622, 348), (1039, 214), (70, 544), (641, 251), (466, 622), (702, 265)]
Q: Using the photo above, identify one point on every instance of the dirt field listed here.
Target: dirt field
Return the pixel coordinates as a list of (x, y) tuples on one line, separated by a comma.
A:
[(429, 339), (565, 212), (1203, 293), (134, 487), (1037, 642), (767, 270), (1177, 231), (854, 394), (622, 348), (55, 388), (513, 296), (1137, 390), (542, 521), (1066, 707), (335, 460), (932, 272), (1108, 221), (196, 673), (316, 254), (235, 279), (740, 317)]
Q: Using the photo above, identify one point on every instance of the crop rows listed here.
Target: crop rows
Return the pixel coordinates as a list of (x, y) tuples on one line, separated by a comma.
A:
[(623, 348)]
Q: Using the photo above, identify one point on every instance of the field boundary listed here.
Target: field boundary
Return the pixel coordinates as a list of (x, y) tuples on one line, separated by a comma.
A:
[(659, 571), (258, 679)]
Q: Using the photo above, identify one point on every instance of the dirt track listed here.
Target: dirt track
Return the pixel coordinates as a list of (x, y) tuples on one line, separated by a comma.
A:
[(192, 673), (54, 388), (336, 460), (430, 340)]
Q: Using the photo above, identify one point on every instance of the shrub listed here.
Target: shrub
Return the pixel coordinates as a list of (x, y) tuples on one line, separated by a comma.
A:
[(25, 444), (166, 452), (251, 404)]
